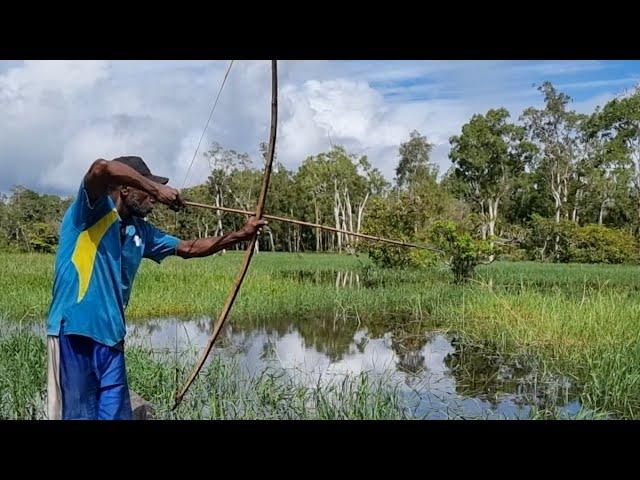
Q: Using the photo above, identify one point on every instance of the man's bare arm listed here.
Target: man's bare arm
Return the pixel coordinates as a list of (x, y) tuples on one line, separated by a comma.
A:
[(102, 173), (203, 247)]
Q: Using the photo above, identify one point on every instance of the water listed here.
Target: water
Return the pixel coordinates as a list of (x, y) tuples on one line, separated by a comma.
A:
[(435, 379)]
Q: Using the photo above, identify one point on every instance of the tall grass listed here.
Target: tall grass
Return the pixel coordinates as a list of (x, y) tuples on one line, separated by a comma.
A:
[(593, 338), (577, 321), (222, 392), (22, 373)]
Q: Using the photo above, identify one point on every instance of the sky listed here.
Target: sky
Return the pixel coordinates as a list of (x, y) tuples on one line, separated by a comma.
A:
[(57, 117)]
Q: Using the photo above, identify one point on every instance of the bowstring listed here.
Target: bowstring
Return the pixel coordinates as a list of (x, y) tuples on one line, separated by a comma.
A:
[(204, 130)]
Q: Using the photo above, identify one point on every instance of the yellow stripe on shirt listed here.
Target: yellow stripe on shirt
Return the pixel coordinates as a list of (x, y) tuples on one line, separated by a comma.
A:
[(84, 254)]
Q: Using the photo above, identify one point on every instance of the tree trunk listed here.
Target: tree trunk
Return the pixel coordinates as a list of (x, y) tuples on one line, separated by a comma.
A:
[(483, 215), (491, 225), (575, 215), (318, 232), (565, 195), (336, 213), (349, 212), (360, 215), (601, 215), (273, 246), (493, 216), (558, 200), (219, 229), (288, 239)]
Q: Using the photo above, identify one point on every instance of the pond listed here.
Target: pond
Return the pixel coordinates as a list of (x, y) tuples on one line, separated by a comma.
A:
[(436, 378)]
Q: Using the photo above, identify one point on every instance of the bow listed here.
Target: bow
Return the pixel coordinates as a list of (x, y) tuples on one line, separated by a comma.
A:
[(250, 249)]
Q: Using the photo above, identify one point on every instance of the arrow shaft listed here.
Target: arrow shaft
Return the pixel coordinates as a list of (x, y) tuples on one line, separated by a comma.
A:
[(313, 225)]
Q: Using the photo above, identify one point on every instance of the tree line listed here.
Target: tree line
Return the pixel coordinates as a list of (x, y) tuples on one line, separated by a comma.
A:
[(551, 185)]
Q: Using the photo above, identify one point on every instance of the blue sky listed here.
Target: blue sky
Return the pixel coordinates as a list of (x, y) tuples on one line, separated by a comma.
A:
[(56, 117), (415, 81)]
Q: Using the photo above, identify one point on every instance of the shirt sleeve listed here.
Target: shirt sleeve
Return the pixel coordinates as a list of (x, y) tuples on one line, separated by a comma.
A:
[(83, 213), (158, 245)]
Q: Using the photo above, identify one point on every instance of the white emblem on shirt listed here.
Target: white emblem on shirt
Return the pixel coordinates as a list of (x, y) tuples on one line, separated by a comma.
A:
[(137, 240)]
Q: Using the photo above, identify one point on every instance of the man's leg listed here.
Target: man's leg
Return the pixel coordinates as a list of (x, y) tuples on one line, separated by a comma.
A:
[(78, 381), (114, 402), (54, 391)]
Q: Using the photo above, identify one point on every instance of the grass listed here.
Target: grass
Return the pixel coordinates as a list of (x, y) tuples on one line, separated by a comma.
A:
[(22, 373), (576, 321), (592, 337), (223, 392)]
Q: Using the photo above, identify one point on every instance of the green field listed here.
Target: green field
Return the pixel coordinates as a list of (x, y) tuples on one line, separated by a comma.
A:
[(580, 321)]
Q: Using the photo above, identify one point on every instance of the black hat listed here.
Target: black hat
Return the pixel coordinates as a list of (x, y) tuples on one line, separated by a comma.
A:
[(139, 166)]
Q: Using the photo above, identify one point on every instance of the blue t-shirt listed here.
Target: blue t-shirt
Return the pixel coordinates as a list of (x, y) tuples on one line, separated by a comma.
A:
[(98, 257)]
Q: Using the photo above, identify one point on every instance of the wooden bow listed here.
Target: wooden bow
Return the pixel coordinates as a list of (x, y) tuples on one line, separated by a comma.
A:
[(250, 249)]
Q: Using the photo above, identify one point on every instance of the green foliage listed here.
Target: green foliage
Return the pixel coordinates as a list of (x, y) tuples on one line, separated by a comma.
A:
[(43, 237), (489, 155), (512, 246), (408, 220), (29, 221), (462, 252), (584, 244), (394, 218), (556, 133), (599, 244), (332, 186), (415, 167)]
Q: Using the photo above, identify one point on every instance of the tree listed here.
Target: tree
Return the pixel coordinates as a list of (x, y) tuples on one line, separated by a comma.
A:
[(619, 120), (415, 166), (30, 220), (603, 175), (555, 132), (530, 194), (396, 217), (337, 185), (462, 253), (232, 182), (283, 200), (409, 217), (190, 222), (488, 157)]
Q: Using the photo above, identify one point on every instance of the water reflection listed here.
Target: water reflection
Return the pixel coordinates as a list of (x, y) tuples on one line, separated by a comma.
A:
[(436, 379)]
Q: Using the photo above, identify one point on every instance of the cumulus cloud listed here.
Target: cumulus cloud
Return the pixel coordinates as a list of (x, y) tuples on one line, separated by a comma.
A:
[(56, 117)]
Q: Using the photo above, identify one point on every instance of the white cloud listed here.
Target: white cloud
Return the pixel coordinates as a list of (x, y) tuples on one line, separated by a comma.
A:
[(56, 117), (45, 80)]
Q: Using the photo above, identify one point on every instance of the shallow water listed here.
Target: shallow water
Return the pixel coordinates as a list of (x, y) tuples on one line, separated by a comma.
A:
[(435, 379)]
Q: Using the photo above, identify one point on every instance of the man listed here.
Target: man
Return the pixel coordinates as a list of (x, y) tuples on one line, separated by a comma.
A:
[(103, 239)]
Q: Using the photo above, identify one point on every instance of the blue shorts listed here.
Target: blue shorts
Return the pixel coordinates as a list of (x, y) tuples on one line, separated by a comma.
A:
[(86, 380)]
